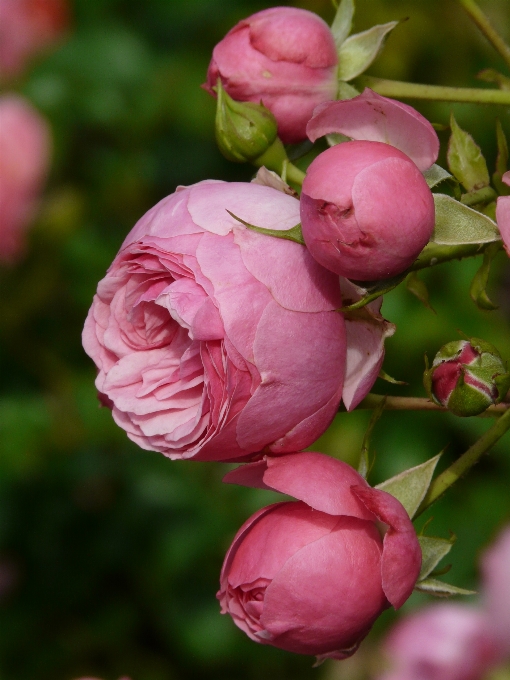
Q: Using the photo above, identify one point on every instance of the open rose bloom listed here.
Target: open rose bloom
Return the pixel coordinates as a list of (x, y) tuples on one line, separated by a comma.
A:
[(312, 576), (25, 146), (213, 341), (285, 58)]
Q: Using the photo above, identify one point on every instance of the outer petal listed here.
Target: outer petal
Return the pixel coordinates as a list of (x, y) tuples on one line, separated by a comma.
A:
[(378, 119), (496, 588), (366, 332), (503, 215), (333, 590), (323, 482), (401, 559)]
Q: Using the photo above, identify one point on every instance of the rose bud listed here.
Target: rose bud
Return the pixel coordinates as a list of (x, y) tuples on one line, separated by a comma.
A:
[(312, 576), (27, 27), (496, 590), (284, 58), (467, 376), (441, 642), (244, 130), (213, 341), (24, 162), (366, 210)]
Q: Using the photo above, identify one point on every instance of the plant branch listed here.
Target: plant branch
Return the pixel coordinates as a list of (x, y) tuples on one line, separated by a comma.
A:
[(434, 253), (468, 95), (447, 478), (483, 23), (372, 401)]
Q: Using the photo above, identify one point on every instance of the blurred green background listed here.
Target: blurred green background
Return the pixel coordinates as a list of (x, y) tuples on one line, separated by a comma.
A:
[(109, 555)]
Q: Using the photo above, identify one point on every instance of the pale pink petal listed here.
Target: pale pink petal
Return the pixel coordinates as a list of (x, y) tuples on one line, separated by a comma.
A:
[(371, 117), (401, 558)]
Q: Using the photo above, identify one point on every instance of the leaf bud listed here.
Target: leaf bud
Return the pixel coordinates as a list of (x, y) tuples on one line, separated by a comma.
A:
[(467, 376)]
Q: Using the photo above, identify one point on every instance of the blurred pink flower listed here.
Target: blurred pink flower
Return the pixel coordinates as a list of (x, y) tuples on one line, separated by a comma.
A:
[(441, 642), (285, 58), (312, 576), (496, 589), (24, 162), (213, 341), (366, 210), (27, 27), (503, 215)]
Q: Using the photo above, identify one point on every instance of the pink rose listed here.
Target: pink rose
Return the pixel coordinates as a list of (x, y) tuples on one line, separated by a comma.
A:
[(366, 210), (503, 215), (26, 27), (496, 589), (24, 162), (441, 642), (213, 341), (312, 576), (284, 57)]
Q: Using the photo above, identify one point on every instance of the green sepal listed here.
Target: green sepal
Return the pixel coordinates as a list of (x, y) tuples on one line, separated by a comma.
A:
[(490, 75), (419, 289), (365, 465), (358, 51), (427, 381), (457, 224), (244, 130), (346, 91), (371, 290), (433, 549), (435, 175), (465, 159), (410, 486), (388, 378), (342, 23), (477, 290), (441, 589), (294, 234), (502, 382), (501, 160)]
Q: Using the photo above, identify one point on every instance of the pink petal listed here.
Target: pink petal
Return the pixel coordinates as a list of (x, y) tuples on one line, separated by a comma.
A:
[(503, 216), (401, 559), (375, 118)]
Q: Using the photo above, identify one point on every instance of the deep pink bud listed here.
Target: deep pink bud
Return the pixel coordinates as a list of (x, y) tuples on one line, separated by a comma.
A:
[(24, 162), (366, 210), (283, 57), (311, 577), (441, 642), (28, 26)]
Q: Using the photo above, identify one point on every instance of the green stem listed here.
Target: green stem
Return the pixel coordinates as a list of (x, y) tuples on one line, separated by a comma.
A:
[(372, 401), (483, 23), (434, 254), (275, 158), (447, 478), (402, 90), (294, 174)]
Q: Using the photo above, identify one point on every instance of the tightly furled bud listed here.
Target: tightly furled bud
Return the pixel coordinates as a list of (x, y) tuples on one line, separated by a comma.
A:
[(244, 130), (366, 210), (467, 376), (283, 57), (312, 576)]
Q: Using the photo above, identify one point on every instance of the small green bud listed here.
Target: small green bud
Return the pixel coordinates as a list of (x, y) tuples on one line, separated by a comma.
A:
[(244, 130), (467, 376)]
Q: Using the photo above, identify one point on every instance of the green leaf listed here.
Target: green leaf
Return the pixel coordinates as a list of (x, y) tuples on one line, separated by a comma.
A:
[(433, 550), (410, 486), (294, 234), (371, 290), (457, 224), (478, 286), (346, 91), (419, 289), (364, 460), (441, 589), (465, 159), (342, 23), (501, 161), (393, 381), (357, 53), (490, 75), (435, 175)]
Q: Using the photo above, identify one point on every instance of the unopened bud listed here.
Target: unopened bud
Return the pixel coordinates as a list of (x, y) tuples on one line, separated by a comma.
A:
[(244, 130), (467, 376)]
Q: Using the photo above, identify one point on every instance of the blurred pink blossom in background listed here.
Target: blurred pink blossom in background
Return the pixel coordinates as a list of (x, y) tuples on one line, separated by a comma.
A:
[(26, 28), (496, 589), (25, 146)]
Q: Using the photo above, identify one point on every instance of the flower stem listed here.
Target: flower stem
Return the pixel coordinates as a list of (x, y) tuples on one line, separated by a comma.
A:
[(447, 478), (294, 174), (371, 401), (469, 95), (434, 253), (483, 23)]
